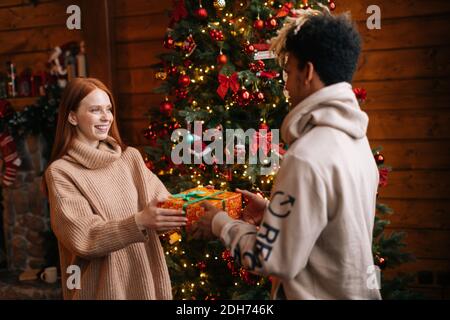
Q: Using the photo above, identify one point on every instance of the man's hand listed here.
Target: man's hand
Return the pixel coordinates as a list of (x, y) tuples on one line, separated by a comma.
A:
[(202, 229), (254, 211)]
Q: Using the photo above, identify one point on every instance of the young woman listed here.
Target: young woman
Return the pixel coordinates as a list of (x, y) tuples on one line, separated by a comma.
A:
[(103, 204)]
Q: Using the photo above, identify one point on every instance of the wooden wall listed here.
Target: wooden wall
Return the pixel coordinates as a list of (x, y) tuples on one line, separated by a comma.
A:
[(405, 68), (139, 27)]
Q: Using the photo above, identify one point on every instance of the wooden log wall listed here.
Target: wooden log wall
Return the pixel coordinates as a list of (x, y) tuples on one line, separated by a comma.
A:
[(404, 67)]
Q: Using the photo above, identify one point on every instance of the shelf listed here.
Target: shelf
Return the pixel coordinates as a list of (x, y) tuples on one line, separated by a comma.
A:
[(18, 104)]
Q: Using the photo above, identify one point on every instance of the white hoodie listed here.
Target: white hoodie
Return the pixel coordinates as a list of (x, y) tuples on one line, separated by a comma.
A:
[(316, 233)]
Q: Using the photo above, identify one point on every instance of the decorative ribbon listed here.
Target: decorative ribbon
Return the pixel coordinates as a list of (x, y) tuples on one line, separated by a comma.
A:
[(227, 82), (196, 196)]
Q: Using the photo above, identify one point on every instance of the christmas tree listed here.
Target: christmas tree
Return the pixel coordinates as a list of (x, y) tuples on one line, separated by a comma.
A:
[(218, 71)]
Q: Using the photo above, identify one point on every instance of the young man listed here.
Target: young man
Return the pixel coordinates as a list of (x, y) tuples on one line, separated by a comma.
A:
[(315, 233)]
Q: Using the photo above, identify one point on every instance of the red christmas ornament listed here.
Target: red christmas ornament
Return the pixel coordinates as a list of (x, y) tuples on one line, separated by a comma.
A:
[(243, 97), (271, 23), (258, 97), (166, 108), (260, 64), (169, 43), (257, 66), (332, 6), (222, 59), (380, 262), (263, 126), (249, 49), (379, 158), (201, 13), (184, 80), (258, 24)]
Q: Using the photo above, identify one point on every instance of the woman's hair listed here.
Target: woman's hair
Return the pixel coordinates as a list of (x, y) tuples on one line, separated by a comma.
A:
[(331, 43), (76, 90)]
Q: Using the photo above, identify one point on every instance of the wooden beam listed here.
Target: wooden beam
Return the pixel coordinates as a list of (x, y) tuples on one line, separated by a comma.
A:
[(96, 24)]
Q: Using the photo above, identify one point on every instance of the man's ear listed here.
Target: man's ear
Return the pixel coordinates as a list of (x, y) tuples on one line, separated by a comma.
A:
[(309, 72), (72, 118)]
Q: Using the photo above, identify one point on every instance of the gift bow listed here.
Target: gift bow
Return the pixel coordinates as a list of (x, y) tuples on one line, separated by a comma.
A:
[(227, 82), (196, 196)]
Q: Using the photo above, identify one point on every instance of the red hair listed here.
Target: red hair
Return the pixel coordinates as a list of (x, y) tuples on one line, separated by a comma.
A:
[(76, 90)]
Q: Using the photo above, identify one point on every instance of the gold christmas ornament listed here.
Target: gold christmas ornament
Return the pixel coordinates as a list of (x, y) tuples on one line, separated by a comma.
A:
[(161, 76), (219, 4)]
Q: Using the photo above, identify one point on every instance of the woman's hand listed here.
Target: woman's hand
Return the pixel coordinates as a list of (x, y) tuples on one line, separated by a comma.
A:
[(254, 211), (160, 219)]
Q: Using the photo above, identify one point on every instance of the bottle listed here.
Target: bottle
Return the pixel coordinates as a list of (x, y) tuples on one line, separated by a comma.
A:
[(81, 61), (3, 86), (12, 91)]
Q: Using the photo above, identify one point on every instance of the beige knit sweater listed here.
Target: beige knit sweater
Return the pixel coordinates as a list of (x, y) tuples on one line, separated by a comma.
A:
[(94, 195)]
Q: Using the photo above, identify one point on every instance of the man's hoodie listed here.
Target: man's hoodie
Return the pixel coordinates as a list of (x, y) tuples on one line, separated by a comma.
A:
[(316, 232)]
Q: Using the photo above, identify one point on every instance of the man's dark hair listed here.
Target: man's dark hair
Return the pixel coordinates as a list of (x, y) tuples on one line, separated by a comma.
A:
[(331, 43)]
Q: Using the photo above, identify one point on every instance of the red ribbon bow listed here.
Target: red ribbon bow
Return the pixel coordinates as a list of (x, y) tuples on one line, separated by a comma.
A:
[(227, 82)]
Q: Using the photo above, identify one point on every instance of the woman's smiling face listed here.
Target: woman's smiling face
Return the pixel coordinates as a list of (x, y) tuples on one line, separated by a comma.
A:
[(93, 117)]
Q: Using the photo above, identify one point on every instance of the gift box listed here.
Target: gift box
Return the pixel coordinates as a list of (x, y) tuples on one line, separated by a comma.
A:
[(189, 201)]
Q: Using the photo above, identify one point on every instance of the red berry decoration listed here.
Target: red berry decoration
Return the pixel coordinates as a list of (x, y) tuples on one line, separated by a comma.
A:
[(166, 108), (258, 97), (379, 158), (184, 80), (169, 43), (216, 34), (150, 133), (361, 94), (222, 59), (271, 23), (201, 13), (181, 93), (201, 265), (258, 24), (172, 70)]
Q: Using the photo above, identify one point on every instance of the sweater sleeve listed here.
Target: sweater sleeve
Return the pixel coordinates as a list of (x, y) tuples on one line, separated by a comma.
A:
[(151, 185), (78, 228), (291, 225)]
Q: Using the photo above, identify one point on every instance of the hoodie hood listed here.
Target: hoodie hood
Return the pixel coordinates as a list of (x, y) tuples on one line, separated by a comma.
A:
[(334, 106)]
